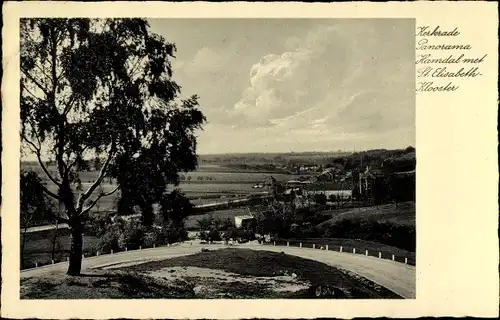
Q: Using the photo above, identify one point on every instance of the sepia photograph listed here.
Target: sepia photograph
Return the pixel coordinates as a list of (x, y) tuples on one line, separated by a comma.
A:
[(177, 158)]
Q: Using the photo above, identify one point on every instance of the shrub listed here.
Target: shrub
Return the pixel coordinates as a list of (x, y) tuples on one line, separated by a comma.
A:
[(212, 235), (320, 198), (332, 198), (171, 232), (231, 233), (112, 239), (133, 235), (97, 226)]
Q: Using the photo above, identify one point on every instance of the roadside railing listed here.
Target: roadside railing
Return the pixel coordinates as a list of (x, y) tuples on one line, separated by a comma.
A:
[(349, 248)]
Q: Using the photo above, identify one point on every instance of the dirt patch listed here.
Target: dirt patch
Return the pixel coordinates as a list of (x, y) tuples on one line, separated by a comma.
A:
[(221, 284)]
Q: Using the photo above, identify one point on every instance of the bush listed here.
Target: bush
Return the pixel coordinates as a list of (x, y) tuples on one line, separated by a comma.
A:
[(231, 233), (320, 198), (173, 232), (112, 239), (97, 226), (133, 235), (212, 235)]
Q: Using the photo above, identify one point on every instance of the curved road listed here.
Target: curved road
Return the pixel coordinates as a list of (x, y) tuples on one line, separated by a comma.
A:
[(395, 276)]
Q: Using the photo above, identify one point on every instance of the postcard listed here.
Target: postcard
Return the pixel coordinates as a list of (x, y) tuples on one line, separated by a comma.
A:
[(249, 160)]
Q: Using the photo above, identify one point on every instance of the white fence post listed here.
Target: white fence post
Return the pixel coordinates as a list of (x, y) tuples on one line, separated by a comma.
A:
[(168, 244), (380, 255), (353, 250), (111, 251), (52, 261), (126, 249), (36, 264), (274, 243), (366, 252), (300, 245), (83, 256), (314, 246), (154, 245), (340, 248), (392, 257), (140, 247), (287, 244), (406, 260), (326, 247), (67, 259)]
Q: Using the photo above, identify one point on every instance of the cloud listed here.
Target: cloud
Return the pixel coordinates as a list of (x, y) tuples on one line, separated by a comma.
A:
[(336, 79), (205, 61)]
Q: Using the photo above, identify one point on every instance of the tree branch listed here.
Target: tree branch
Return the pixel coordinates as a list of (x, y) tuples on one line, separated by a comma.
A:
[(84, 196), (31, 93), (50, 193), (76, 158), (35, 81), (69, 105), (40, 161), (90, 206)]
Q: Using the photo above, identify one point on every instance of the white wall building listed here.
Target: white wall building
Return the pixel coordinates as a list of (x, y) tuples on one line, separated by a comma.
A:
[(240, 221)]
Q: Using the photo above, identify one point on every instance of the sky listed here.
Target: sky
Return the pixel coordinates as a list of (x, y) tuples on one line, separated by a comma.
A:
[(293, 85)]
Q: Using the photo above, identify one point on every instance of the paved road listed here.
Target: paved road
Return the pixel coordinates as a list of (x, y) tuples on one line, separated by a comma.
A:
[(395, 276)]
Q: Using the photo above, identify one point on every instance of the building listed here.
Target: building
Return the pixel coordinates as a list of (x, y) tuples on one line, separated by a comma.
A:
[(244, 221)]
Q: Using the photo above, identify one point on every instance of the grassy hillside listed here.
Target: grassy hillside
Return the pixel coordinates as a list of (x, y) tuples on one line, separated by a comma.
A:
[(398, 214), (391, 224)]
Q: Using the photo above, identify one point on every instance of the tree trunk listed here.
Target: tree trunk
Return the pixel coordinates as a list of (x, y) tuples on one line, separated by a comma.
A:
[(23, 245), (54, 240), (76, 249)]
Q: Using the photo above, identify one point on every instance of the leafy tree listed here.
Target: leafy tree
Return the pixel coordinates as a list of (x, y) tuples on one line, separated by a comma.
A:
[(104, 88), (320, 198), (175, 207), (275, 219)]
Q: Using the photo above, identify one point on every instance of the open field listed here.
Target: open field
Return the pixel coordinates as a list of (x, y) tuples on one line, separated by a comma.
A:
[(216, 182), (208, 173), (223, 273)]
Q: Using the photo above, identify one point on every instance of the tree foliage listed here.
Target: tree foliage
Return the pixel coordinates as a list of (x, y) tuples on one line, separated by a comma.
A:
[(36, 206), (103, 88)]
